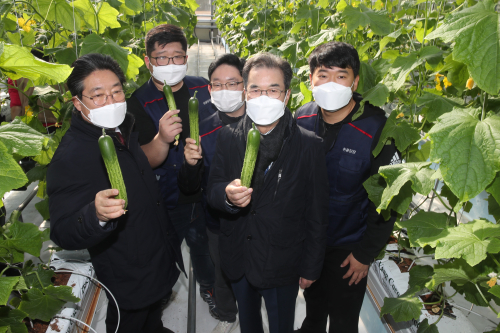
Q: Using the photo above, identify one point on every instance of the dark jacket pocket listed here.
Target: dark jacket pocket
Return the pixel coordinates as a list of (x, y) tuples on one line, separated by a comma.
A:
[(348, 174), (285, 253)]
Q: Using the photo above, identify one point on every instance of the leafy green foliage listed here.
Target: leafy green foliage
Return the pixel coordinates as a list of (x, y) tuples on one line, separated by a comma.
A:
[(402, 133), (424, 327), (467, 149), (13, 319), (6, 286), (419, 276), (458, 271), (425, 228), (44, 304), (363, 16), (475, 31), (402, 308), (470, 241)]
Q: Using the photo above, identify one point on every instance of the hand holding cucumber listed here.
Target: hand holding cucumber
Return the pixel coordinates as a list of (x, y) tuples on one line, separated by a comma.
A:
[(192, 152), (238, 195), (170, 126), (107, 207)]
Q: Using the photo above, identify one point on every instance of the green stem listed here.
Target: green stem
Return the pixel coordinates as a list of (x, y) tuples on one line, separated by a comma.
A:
[(485, 97), (425, 25), (5, 269), (441, 315), (39, 280), (441, 199), (484, 299), (495, 260), (418, 205)]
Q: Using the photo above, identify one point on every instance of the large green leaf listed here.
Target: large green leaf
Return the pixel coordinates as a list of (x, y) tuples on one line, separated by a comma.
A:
[(12, 175), (106, 17), (402, 66), (96, 44), (310, 12), (435, 106), (17, 62), (467, 149), (476, 34), (494, 188), (399, 174), (458, 271), (419, 276), (363, 16), (377, 95), (401, 131), (14, 319), (24, 237), (21, 139), (403, 308), (33, 278), (6, 286), (59, 11), (424, 327), (290, 50), (495, 290), (44, 305), (470, 241), (367, 78), (175, 15), (424, 228)]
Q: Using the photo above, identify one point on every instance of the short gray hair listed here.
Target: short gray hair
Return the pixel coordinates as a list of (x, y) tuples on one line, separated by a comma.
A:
[(268, 60)]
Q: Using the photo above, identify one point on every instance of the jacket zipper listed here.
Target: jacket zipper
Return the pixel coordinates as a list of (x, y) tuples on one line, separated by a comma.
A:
[(279, 178)]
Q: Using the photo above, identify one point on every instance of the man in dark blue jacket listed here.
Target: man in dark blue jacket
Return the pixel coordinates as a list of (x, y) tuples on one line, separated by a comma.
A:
[(356, 232), (134, 254), (166, 59), (226, 88)]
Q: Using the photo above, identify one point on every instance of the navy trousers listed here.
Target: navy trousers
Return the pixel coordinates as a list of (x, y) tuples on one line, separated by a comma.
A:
[(280, 306)]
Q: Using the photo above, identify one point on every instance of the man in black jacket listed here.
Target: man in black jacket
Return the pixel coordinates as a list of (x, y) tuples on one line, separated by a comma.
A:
[(273, 234), (356, 232), (134, 254)]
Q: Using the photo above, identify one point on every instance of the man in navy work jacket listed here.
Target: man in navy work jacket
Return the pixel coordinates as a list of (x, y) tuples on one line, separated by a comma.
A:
[(272, 235), (166, 59), (226, 89), (134, 254), (356, 232)]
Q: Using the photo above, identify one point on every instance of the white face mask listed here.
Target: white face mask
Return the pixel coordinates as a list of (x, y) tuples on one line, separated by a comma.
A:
[(227, 100), (332, 96), (264, 110), (107, 116), (171, 74)]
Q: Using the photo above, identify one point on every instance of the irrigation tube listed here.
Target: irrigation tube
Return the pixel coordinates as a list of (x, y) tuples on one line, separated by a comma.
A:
[(191, 320)]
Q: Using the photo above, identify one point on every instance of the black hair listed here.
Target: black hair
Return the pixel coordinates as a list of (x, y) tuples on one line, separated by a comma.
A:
[(86, 65), (164, 34), (336, 54), (226, 59), (268, 60)]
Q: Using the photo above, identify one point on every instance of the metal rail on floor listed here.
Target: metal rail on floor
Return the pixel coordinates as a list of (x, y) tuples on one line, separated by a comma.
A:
[(191, 319)]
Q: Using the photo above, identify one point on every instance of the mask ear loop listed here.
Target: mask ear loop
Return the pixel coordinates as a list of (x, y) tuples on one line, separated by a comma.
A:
[(85, 107)]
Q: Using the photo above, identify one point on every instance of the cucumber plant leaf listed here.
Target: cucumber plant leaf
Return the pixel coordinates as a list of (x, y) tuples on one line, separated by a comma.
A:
[(97, 44), (106, 17), (435, 106), (403, 308), (24, 237), (398, 175), (467, 149), (401, 131), (419, 276), (45, 304), (377, 95), (21, 139), (424, 327), (424, 228), (59, 11), (476, 33), (13, 318), (12, 175), (364, 16), (458, 271), (470, 241), (17, 62), (7, 283), (494, 188)]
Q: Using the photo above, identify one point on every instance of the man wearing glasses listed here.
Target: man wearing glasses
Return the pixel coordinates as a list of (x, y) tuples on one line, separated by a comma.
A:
[(166, 59), (273, 235), (226, 89), (134, 254)]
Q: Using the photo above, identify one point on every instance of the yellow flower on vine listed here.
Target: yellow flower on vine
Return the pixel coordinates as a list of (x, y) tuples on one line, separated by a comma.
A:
[(25, 25), (69, 45), (470, 83), (438, 86), (446, 83), (492, 282), (401, 115), (28, 111)]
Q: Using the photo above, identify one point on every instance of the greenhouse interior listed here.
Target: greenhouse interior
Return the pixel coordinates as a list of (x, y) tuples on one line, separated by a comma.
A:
[(250, 166)]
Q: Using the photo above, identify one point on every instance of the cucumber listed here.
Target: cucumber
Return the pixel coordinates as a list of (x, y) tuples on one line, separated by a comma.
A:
[(169, 95), (108, 153), (253, 143), (193, 118)]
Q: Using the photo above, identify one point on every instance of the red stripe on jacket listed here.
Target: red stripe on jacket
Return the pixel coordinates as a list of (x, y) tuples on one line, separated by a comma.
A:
[(312, 115), (154, 100), (206, 85), (211, 131), (359, 129)]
